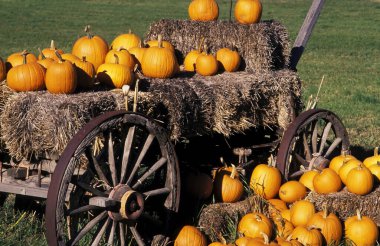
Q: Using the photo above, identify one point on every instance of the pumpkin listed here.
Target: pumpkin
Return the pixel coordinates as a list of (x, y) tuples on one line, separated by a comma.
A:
[(227, 186), (275, 206), (307, 236), (255, 225), (307, 179), (138, 53), (228, 59), (61, 77), (93, 47), (285, 214), (44, 61), (372, 160), (115, 74), (292, 191), (375, 170), (206, 64), (164, 44), (198, 185), (337, 162), (50, 52), (361, 230), (288, 242), (283, 227), (203, 10), (191, 57), (329, 224), (126, 40), (327, 181), (301, 212), (85, 73), (26, 77), (3, 72), (159, 62), (124, 57), (70, 57), (190, 235), (266, 180), (17, 58), (216, 244), (346, 168), (360, 180), (248, 11)]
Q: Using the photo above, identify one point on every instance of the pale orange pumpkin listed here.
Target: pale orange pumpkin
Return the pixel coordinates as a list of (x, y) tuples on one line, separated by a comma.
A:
[(191, 57), (327, 181), (203, 10), (50, 52), (229, 59), (329, 224), (115, 74), (124, 57), (44, 61), (126, 40), (375, 170), (248, 11), (372, 160), (85, 73), (206, 64), (3, 72), (307, 236), (275, 206), (301, 212), (70, 57), (159, 62), (227, 186), (17, 58), (138, 53), (26, 77), (266, 180), (198, 185), (346, 168), (190, 235), (292, 191), (337, 162), (361, 230), (93, 47), (307, 179), (359, 180), (286, 214), (254, 225), (61, 77)]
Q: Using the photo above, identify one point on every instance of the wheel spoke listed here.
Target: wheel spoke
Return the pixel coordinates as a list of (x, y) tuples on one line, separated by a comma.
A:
[(162, 191), (122, 234), (112, 234), (137, 236), (152, 220), (88, 227), (306, 147), (143, 152), (82, 209), (297, 174), (326, 132), (90, 189), (336, 142), (314, 138), (94, 162), (301, 160), (111, 160), (101, 232), (127, 153), (151, 170)]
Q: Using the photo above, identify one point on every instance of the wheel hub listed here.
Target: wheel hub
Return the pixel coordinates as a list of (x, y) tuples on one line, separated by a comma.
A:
[(318, 161)]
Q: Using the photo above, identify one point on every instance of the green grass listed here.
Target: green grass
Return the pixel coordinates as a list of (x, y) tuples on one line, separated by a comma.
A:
[(345, 47)]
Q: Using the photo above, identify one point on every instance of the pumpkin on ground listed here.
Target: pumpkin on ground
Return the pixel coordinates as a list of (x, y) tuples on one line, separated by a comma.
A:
[(44, 61), (127, 41), (307, 179), (228, 59), (123, 56), (327, 181), (255, 225), (3, 72), (26, 77), (373, 160), (227, 186), (85, 73), (190, 235), (301, 212), (17, 58), (307, 236), (93, 47), (50, 52), (248, 11), (360, 180), (338, 161), (361, 230), (203, 10), (115, 74), (61, 77), (292, 191)]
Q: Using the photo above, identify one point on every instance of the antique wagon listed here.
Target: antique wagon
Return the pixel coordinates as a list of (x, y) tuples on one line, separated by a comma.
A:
[(118, 179)]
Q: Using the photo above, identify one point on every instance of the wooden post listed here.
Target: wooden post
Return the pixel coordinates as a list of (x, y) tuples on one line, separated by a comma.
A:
[(305, 32)]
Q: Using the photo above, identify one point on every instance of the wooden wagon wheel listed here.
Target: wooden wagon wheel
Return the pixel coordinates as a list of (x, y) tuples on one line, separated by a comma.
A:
[(310, 140), (116, 183)]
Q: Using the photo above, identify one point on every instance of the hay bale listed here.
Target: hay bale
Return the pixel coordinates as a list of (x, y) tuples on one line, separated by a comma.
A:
[(5, 93), (344, 203), (262, 46)]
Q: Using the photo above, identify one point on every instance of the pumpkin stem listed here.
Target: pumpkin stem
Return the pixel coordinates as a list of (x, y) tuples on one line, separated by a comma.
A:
[(205, 48), (121, 48), (84, 59), (325, 211), (271, 161), (200, 44), (129, 31), (87, 31), (266, 238), (376, 151), (136, 96), (289, 238), (42, 54), (52, 45), (258, 218), (345, 152), (221, 238), (59, 56), (24, 52), (159, 39), (233, 172), (116, 58), (24, 57), (358, 214)]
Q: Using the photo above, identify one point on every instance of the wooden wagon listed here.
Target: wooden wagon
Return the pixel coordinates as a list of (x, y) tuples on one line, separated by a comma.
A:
[(119, 177)]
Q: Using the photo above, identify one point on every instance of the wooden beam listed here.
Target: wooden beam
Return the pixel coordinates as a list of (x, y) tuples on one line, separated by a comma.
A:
[(39, 192)]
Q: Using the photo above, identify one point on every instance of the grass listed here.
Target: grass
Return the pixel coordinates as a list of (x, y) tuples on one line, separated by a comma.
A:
[(345, 47)]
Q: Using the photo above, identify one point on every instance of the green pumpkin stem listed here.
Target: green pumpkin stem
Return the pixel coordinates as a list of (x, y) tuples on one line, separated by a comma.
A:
[(87, 31), (116, 58), (59, 56), (52, 45), (358, 214), (159, 39), (42, 54)]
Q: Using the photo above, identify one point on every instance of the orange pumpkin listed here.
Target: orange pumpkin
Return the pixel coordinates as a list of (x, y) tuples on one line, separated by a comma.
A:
[(301, 212), (3, 72), (191, 58), (85, 73), (50, 52), (115, 74), (198, 185), (124, 57), (288, 242), (227, 186), (206, 64), (307, 179), (203, 10), (292, 191), (17, 58), (266, 180), (254, 225), (93, 47), (346, 168), (373, 160), (164, 44), (138, 53), (127, 41), (327, 181), (26, 77), (286, 214), (307, 236), (375, 170), (228, 59), (360, 180), (190, 235), (44, 61), (70, 57), (283, 227), (276, 206), (337, 162), (248, 11), (361, 230), (61, 77), (329, 224)]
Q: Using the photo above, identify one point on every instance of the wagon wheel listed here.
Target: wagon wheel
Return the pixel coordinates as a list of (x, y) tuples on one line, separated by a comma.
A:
[(116, 183), (310, 140)]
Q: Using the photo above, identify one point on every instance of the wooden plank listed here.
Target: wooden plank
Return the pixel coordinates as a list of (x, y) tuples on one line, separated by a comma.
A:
[(40, 192)]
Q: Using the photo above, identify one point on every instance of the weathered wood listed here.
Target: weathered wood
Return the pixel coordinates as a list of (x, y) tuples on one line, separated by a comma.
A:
[(151, 170), (88, 227), (111, 160), (38, 192), (103, 202), (127, 152), (305, 32)]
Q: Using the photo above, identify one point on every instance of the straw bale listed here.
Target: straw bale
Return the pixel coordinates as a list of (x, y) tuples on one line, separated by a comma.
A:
[(262, 46), (344, 203), (5, 93)]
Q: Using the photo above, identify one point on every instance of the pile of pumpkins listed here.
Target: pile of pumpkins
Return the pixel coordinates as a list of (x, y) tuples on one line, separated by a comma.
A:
[(292, 220)]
